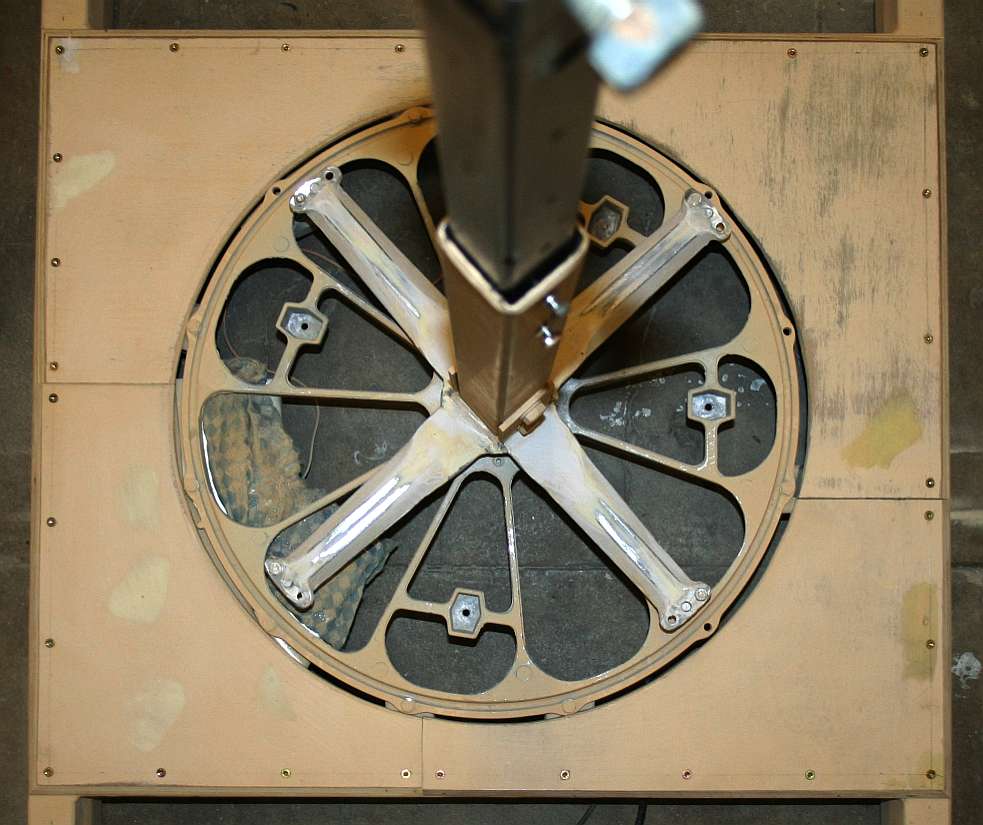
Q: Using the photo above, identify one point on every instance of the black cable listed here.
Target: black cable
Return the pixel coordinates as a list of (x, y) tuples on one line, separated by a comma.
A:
[(587, 814), (640, 816)]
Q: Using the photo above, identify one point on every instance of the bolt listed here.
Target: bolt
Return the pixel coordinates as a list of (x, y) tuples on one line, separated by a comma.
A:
[(702, 594), (564, 774), (439, 773), (59, 49), (161, 773), (53, 398), (285, 773), (174, 47), (930, 644), (56, 157), (49, 643), (549, 337), (693, 199), (48, 772), (53, 366), (276, 568), (51, 522), (929, 338), (810, 775), (406, 773), (399, 47), (687, 607), (687, 774), (792, 52), (926, 193), (556, 307), (285, 47), (929, 515), (930, 483), (923, 51), (300, 198), (931, 774), (498, 461), (56, 261)]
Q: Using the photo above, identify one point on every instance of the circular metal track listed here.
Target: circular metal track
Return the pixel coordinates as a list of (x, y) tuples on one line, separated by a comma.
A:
[(766, 340)]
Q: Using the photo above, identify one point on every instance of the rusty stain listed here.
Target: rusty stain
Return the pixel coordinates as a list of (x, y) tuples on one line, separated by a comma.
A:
[(894, 428), (919, 611)]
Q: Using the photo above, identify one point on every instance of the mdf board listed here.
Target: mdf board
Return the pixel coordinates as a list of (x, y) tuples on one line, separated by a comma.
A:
[(830, 680)]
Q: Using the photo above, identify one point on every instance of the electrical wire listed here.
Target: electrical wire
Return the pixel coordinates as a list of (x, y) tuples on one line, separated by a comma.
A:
[(587, 814)]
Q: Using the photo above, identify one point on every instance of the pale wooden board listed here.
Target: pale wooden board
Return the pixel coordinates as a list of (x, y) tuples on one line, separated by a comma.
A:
[(824, 157), (194, 686), (824, 668)]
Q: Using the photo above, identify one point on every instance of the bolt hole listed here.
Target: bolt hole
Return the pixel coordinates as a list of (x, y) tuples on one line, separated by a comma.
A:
[(304, 325), (708, 627), (708, 407), (329, 175), (708, 195), (787, 331), (465, 612), (277, 190)]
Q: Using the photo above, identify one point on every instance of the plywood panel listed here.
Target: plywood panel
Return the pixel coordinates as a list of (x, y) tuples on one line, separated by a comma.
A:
[(825, 668), (154, 663), (826, 157)]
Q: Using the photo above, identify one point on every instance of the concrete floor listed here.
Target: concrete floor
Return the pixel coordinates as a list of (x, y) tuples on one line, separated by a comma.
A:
[(18, 104)]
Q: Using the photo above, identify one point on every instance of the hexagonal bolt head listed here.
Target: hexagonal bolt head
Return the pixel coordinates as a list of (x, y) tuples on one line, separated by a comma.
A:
[(710, 406), (301, 324), (606, 220), (465, 613)]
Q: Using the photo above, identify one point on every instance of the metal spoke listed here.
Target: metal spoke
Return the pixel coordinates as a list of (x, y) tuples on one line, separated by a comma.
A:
[(551, 455), (598, 312), (415, 304), (446, 443)]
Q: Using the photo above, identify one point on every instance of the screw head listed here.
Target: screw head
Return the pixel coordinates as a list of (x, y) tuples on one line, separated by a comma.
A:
[(929, 515), (285, 773), (59, 49), (406, 773), (930, 483), (439, 773), (792, 52), (284, 47), (929, 338), (687, 774), (174, 47), (810, 775), (53, 366), (48, 772), (931, 774), (930, 644), (923, 51), (399, 47), (51, 521), (56, 261), (56, 157), (564, 774), (49, 643), (926, 193), (160, 773), (53, 398)]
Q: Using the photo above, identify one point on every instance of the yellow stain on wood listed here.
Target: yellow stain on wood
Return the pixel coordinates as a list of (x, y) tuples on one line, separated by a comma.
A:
[(892, 430), (919, 628), (78, 175), (272, 697), (154, 711), (138, 497), (141, 595)]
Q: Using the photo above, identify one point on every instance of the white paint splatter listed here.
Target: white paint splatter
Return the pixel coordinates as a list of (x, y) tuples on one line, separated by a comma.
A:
[(154, 711), (966, 668), (273, 697), (644, 412), (78, 175), (138, 497), (757, 384), (141, 595), (379, 452), (615, 418), (68, 59)]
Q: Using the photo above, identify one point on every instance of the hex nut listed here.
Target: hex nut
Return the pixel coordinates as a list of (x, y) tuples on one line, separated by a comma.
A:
[(465, 613), (710, 406)]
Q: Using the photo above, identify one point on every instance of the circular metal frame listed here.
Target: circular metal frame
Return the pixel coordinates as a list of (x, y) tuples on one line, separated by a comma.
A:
[(762, 494)]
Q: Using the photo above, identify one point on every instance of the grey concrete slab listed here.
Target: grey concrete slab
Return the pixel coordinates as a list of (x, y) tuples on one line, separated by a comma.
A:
[(967, 694), (13, 686)]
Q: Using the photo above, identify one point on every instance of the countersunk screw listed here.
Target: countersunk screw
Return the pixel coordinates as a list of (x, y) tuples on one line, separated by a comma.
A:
[(929, 338), (930, 483), (56, 157), (439, 773), (51, 522), (399, 47), (792, 52), (284, 47), (406, 773), (810, 775), (56, 261), (48, 772), (687, 774), (49, 643), (59, 49), (53, 398), (931, 774), (174, 47), (923, 51), (926, 193), (929, 515), (285, 773), (53, 366), (564, 774), (930, 644), (161, 773)]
